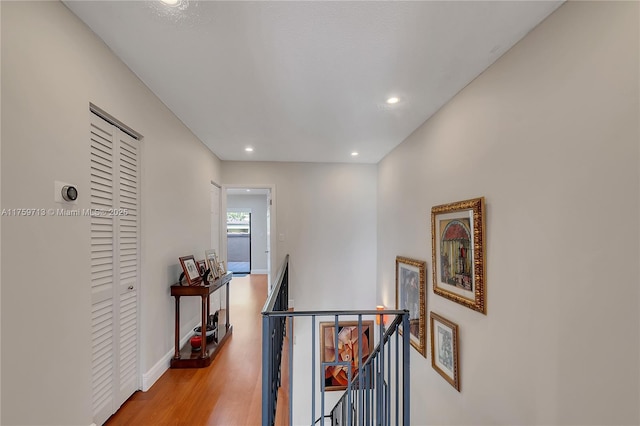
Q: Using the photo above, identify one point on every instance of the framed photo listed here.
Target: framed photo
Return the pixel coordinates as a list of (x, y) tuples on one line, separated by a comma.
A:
[(223, 268), (458, 252), (444, 349), (211, 258), (191, 272), (202, 267), (411, 294), (336, 377)]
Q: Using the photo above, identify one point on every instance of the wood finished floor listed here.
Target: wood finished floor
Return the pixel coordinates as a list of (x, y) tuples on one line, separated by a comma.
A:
[(228, 392)]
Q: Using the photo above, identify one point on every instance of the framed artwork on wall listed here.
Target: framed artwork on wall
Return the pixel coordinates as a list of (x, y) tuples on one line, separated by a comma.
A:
[(411, 295), (444, 349), (458, 252), (190, 269), (336, 377)]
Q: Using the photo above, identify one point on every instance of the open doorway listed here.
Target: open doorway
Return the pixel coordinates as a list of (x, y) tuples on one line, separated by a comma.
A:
[(251, 214), (239, 241)]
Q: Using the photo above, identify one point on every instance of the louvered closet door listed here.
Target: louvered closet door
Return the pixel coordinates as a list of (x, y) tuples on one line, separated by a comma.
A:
[(114, 266)]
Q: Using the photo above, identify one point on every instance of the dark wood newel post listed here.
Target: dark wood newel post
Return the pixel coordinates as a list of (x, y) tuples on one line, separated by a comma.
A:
[(176, 355), (203, 328)]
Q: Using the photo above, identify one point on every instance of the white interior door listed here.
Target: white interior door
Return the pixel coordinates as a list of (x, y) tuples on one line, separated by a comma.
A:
[(115, 244)]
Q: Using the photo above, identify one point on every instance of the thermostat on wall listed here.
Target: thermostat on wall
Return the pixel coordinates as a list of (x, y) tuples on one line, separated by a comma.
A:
[(69, 193), (65, 193)]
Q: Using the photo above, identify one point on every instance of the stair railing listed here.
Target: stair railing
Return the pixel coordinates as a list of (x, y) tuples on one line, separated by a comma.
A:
[(376, 391)]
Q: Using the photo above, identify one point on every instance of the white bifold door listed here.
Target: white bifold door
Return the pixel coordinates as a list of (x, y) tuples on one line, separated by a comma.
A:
[(115, 265)]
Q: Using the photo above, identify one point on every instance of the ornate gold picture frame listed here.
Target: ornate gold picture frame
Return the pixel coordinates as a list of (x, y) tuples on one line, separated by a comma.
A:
[(458, 252), (411, 277), (444, 349)]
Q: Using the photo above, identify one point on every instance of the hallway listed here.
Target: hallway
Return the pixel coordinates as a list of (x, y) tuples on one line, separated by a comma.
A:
[(228, 391)]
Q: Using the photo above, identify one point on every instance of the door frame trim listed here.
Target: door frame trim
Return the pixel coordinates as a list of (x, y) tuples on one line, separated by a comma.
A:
[(272, 222)]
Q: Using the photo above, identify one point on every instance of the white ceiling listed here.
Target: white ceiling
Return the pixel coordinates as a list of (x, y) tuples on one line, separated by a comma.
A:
[(307, 81)]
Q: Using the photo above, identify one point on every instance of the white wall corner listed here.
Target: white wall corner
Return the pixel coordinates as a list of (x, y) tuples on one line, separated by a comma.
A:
[(152, 376)]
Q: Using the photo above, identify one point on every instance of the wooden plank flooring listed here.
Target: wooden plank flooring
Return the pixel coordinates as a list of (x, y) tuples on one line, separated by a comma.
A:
[(226, 393)]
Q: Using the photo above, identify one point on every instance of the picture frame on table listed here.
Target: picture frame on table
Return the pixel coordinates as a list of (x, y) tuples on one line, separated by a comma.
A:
[(335, 377), (444, 349), (458, 252), (202, 266), (211, 258), (411, 294), (190, 269)]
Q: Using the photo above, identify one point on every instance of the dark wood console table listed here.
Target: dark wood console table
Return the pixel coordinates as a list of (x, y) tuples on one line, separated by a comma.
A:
[(185, 357)]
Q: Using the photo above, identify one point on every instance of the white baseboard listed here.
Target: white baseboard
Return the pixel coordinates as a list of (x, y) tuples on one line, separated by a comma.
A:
[(152, 376), (259, 271)]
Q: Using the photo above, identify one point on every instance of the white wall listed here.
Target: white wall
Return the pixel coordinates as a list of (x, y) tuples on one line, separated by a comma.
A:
[(52, 67), (0, 233), (326, 213), (549, 135), (258, 206)]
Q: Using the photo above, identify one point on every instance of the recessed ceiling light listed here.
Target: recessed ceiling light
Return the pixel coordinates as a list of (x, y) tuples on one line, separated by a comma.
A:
[(170, 2), (248, 149), (248, 190), (354, 154), (393, 100)]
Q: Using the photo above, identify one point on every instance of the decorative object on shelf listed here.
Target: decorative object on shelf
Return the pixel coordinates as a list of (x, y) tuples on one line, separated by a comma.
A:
[(444, 349), (190, 269), (411, 294), (336, 377), (202, 267), (213, 320), (211, 332), (223, 268), (211, 258), (458, 252), (196, 343)]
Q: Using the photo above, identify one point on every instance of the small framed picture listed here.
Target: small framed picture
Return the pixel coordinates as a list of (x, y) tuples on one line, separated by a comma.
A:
[(202, 267), (411, 294), (191, 272), (212, 263), (458, 252), (223, 268), (444, 349)]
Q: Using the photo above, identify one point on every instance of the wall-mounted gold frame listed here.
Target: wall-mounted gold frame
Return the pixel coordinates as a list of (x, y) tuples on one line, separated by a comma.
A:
[(444, 349), (458, 252), (411, 294)]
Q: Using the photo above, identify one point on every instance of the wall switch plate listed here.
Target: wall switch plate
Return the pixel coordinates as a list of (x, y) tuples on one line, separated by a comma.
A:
[(280, 237)]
